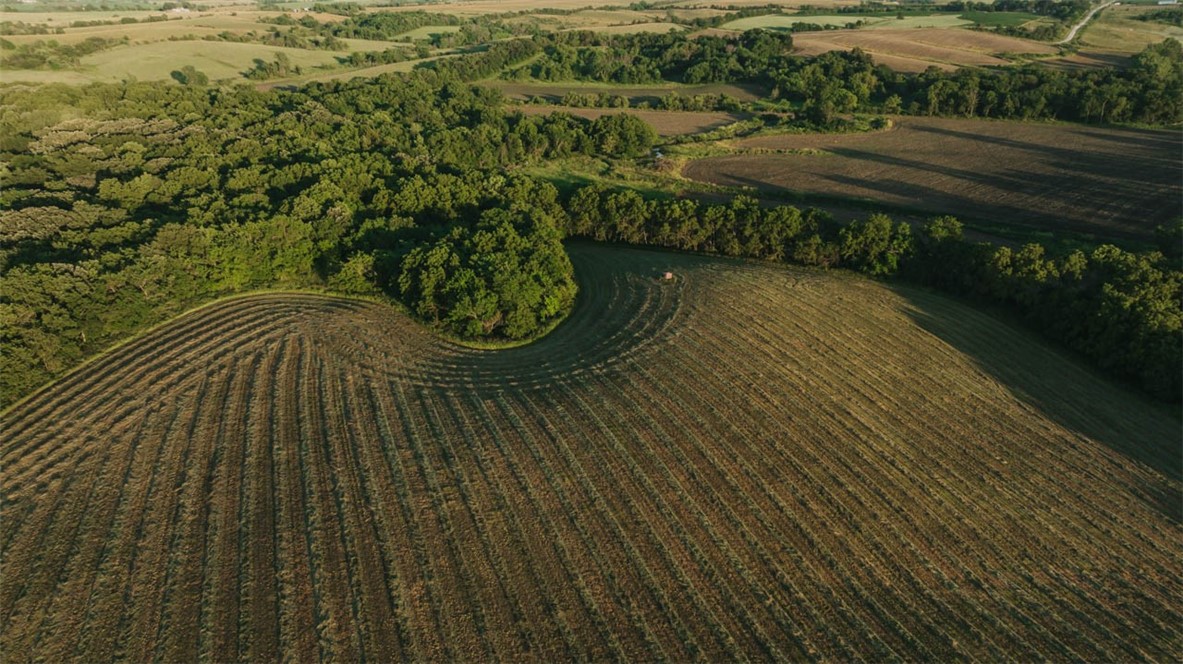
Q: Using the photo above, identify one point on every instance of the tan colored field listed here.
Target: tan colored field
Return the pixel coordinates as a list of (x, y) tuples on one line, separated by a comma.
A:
[(219, 60), (1109, 182), (142, 33), (915, 49), (236, 20), (749, 463), (665, 123)]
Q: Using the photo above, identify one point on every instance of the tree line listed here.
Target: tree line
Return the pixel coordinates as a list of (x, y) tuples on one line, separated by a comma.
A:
[(1122, 310), (843, 81)]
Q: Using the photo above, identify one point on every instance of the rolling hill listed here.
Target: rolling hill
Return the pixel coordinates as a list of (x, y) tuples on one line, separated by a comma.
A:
[(747, 462)]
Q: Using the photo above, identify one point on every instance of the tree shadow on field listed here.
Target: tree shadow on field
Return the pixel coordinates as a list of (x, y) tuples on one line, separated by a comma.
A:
[(1064, 390)]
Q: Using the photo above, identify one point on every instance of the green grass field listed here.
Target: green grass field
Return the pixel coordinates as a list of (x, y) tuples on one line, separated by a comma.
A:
[(219, 60), (427, 31), (1114, 31), (1003, 19)]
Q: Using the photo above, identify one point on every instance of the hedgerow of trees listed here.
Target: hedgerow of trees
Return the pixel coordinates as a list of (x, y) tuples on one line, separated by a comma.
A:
[(843, 81), (1123, 310)]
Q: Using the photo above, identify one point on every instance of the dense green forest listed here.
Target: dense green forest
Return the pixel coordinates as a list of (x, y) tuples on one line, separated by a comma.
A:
[(840, 81), (127, 203)]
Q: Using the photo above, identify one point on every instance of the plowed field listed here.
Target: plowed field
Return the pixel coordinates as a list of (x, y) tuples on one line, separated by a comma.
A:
[(914, 50), (1108, 182), (748, 463)]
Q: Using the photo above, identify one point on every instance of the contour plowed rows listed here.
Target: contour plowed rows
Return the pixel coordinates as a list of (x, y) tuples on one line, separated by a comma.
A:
[(750, 463)]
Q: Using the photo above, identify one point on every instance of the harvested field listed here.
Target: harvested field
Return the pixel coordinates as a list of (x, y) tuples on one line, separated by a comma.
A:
[(931, 46), (1119, 183), (665, 123), (748, 463), (147, 32)]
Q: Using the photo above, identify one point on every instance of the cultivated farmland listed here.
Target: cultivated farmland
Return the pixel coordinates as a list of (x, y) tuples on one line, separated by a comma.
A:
[(914, 50), (745, 463), (1108, 182)]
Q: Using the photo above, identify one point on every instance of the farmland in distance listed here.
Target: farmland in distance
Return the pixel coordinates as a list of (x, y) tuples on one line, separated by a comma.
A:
[(1119, 183), (746, 462)]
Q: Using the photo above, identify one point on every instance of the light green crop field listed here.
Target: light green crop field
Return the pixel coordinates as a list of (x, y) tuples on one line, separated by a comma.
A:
[(1010, 19), (155, 61), (937, 21), (428, 30), (1115, 31), (370, 45)]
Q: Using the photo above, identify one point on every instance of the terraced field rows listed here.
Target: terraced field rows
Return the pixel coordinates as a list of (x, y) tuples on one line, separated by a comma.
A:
[(749, 463)]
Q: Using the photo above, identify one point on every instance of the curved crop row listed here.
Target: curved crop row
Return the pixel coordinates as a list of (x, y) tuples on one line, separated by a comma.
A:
[(746, 463)]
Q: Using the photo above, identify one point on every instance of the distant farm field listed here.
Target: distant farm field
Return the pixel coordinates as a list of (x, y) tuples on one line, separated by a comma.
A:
[(873, 22), (913, 50), (146, 32), (1009, 19), (155, 61), (665, 123), (745, 463), (1116, 31), (1108, 182), (427, 31)]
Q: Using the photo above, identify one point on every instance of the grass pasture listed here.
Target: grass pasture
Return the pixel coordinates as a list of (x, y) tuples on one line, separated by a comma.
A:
[(427, 31), (750, 462), (665, 123), (1114, 31), (1001, 19), (218, 60), (1118, 183)]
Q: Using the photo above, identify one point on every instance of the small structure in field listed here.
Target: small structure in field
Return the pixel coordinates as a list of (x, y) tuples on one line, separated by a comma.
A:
[(667, 276)]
